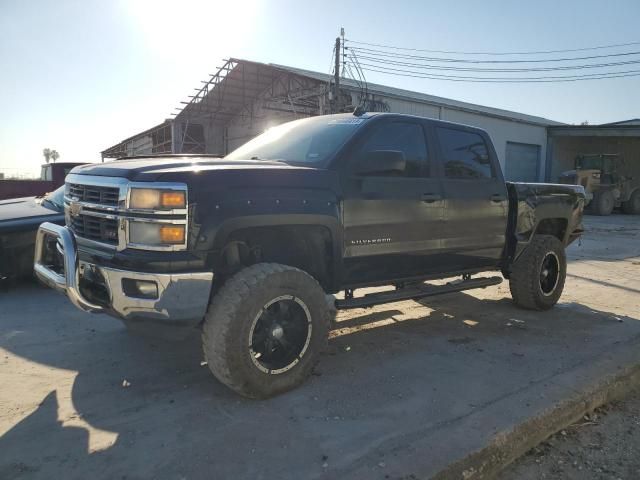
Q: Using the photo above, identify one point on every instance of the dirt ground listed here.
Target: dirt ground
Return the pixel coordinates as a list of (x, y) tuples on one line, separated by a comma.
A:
[(404, 390), (604, 445)]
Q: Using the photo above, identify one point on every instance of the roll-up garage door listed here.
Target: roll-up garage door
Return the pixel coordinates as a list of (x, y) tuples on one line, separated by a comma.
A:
[(522, 162)]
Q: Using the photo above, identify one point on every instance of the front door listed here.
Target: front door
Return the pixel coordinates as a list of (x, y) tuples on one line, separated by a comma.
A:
[(391, 219)]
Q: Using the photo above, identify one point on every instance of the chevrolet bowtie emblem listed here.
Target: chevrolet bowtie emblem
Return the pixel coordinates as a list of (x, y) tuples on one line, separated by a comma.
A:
[(75, 209)]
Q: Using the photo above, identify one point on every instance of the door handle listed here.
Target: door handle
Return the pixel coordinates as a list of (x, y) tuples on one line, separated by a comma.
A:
[(496, 197), (431, 197)]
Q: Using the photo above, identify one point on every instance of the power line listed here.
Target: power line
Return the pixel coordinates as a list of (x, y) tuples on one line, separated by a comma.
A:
[(453, 78), (502, 78), (392, 60), (459, 60), (356, 63), (454, 52), (427, 66)]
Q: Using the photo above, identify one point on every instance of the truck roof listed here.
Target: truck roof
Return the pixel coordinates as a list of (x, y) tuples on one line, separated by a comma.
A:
[(363, 115)]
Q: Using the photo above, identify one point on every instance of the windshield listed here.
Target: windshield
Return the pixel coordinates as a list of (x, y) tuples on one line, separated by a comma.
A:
[(56, 197), (306, 141)]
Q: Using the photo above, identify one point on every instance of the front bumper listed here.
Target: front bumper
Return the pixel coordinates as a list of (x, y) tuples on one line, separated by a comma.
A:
[(180, 298)]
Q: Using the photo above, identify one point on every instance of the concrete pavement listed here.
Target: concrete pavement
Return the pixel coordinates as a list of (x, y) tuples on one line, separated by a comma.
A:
[(406, 390)]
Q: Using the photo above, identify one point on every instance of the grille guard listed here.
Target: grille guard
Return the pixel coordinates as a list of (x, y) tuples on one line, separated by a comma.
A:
[(67, 283)]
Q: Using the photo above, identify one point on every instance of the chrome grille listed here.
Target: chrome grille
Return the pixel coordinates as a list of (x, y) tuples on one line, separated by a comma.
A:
[(97, 211), (94, 194), (100, 229)]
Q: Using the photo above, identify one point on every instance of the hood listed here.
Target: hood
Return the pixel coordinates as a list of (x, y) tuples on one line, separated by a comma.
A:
[(152, 169), (24, 208)]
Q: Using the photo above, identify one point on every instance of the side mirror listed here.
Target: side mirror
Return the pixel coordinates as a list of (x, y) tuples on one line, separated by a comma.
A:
[(381, 161)]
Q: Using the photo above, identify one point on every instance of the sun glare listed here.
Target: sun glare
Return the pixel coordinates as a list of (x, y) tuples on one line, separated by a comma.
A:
[(189, 27)]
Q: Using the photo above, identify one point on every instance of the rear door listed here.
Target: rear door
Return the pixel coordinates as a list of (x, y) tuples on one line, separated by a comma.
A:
[(391, 221), (475, 195)]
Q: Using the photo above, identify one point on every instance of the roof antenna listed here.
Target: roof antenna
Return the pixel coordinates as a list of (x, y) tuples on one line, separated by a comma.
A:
[(359, 111)]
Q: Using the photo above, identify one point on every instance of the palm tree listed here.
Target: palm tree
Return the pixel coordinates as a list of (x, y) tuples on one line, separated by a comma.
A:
[(47, 154), (54, 155)]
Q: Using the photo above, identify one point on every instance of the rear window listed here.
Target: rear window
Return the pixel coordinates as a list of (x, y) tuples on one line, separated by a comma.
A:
[(465, 154)]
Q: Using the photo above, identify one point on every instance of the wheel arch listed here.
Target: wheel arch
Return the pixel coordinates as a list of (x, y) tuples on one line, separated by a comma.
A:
[(556, 227), (308, 242)]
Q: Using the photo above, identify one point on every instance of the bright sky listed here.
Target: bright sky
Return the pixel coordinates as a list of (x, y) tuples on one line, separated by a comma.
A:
[(80, 75)]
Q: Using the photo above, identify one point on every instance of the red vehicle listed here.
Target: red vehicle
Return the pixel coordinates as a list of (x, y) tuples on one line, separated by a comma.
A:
[(51, 177)]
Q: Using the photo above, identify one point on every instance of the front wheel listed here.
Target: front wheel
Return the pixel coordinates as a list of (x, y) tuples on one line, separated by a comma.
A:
[(537, 277), (265, 329), (632, 206), (602, 203)]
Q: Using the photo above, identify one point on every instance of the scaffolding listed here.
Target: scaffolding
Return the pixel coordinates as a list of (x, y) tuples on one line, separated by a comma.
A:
[(240, 90), (233, 90), (154, 140)]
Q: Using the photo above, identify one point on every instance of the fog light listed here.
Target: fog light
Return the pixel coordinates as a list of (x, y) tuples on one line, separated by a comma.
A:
[(139, 288), (172, 234), (155, 234)]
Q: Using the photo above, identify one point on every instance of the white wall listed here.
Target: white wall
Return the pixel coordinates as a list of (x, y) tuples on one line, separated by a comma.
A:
[(411, 108)]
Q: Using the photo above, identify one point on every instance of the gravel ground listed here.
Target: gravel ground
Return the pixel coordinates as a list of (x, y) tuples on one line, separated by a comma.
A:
[(604, 445)]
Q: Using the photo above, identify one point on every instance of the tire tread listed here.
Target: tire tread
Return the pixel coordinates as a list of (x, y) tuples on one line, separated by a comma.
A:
[(523, 281), (222, 313)]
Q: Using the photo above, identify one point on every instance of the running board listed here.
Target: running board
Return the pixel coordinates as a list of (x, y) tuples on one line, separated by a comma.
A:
[(420, 291)]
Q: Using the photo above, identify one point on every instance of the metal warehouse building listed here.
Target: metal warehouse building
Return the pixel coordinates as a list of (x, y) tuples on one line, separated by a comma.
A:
[(244, 98), (566, 142)]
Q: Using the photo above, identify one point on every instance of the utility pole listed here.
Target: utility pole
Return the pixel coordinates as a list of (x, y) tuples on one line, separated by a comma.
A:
[(336, 79), (343, 56)]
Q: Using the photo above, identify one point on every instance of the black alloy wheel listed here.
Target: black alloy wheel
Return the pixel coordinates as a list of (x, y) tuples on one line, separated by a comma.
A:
[(280, 334), (549, 273)]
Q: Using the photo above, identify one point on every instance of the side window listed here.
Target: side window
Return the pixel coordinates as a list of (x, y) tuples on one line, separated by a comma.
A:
[(464, 154), (404, 137)]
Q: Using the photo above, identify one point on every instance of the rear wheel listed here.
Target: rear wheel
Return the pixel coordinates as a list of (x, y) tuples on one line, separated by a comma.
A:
[(632, 206), (537, 277), (602, 203), (265, 329)]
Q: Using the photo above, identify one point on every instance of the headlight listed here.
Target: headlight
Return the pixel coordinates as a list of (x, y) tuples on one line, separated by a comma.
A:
[(153, 199), (145, 233)]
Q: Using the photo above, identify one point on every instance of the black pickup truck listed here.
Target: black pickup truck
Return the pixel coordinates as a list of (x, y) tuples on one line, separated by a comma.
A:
[(250, 246)]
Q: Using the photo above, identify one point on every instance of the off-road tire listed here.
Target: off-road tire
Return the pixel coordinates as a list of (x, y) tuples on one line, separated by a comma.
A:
[(602, 203), (226, 332), (632, 206), (525, 279)]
